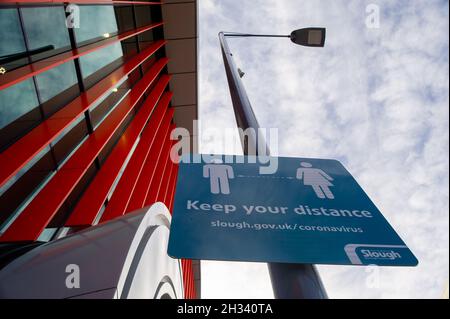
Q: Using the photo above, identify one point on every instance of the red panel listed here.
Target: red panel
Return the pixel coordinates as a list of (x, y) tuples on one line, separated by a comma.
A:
[(20, 153), (171, 189), (165, 179), (193, 292), (188, 279), (192, 281), (159, 173), (185, 279), (36, 216), (148, 171), (80, 2), (120, 199), (171, 183), (94, 144), (93, 198), (20, 74), (164, 198), (184, 271)]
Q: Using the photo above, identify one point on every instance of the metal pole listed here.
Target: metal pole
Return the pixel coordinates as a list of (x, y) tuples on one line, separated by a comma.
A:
[(289, 281), (244, 35)]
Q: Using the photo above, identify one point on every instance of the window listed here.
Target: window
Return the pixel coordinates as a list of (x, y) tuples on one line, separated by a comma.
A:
[(90, 26), (94, 61), (46, 26), (56, 80), (11, 38), (32, 33), (16, 101)]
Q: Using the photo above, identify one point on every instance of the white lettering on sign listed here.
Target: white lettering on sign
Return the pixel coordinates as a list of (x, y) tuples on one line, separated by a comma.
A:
[(265, 209), (301, 210), (306, 210), (195, 205), (380, 254)]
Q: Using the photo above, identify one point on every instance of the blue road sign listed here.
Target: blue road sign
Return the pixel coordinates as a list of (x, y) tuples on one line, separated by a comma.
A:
[(310, 211)]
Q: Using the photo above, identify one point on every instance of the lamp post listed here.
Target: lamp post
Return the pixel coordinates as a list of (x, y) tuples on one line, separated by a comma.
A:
[(289, 281)]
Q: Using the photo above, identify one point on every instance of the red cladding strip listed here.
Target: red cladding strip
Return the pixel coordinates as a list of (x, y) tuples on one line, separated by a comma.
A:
[(159, 172), (174, 189), (20, 153), (193, 292), (20, 74), (171, 190), (188, 279), (38, 214), (141, 190), (170, 185), (168, 191), (192, 282), (95, 195), (119, 201), (81, 2), (174, 171), (165, 178), (164, 198), (183, 274), (185, 281)]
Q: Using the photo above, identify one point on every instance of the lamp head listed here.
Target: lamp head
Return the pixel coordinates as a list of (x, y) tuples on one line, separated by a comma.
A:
[(310, 37)]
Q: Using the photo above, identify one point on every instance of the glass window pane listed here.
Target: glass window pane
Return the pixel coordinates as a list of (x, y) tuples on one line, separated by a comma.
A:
[(56, 80), (16, 101), (98, 59), (45, 26), (95, 21), (12, 45), (10, 33)]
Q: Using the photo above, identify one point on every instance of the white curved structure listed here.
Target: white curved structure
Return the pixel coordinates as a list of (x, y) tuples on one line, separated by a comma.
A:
[(124, 258)]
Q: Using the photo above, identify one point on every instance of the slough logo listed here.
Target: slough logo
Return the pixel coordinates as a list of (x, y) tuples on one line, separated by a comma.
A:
[(380, 254), (364, 254)]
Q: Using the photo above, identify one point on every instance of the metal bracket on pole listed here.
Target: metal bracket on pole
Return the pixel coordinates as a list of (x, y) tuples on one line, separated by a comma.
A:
[(289, 281)]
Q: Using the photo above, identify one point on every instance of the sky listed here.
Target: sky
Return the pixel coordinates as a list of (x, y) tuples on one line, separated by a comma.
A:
[(376, 98)]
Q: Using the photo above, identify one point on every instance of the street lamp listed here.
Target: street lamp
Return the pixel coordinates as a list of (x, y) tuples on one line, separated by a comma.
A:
[(299, 281), (310, 37)]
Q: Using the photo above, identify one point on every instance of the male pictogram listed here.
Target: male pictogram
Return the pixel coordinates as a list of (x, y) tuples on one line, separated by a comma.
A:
[(218, 175)]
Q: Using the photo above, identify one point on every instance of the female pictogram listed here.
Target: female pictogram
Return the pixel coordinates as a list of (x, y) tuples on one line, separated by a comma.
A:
[(317, 179)]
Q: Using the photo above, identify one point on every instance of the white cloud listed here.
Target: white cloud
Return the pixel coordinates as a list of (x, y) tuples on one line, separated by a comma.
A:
[(377, 99)]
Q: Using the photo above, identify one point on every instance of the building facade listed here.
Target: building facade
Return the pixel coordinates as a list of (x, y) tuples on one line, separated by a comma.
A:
[(89, 94)]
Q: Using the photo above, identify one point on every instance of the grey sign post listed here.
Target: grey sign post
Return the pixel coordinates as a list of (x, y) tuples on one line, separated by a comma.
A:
[(289, 281)]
